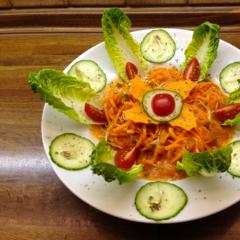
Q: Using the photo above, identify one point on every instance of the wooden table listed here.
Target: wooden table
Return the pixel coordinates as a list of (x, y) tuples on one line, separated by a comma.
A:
[(34, 204)]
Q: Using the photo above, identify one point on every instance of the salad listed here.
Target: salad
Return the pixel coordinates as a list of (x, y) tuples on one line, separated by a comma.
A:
[(154, 121)]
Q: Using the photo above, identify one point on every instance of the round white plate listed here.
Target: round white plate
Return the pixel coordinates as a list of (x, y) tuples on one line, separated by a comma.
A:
[(205, 195)]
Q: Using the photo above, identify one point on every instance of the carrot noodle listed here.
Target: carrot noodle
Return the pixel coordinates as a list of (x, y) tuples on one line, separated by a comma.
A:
[(160, 74), (160, 146)]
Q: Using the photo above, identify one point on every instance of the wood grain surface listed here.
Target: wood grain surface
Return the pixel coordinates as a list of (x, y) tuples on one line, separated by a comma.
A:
[(213, 2), (5, 4), (34, 204), (124, 3), (155, 2), (89, 19)]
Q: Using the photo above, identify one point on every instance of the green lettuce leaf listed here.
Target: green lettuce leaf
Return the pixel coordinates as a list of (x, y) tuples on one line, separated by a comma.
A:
[(206, 163), (120, 44), (63, 92), (101, 157), (204, 47), (232, 122), (234, 97)]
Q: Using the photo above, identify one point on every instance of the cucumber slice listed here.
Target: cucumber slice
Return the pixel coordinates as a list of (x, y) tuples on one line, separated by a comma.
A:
[(147, 100), (90, 72), (158, 46), (70, 151), (160, 200), (230, 77), (234, 168)]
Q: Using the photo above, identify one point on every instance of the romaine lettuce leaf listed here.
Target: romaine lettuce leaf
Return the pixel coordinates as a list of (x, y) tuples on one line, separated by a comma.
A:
[(232, 122), (101, 158), (206, 163), (234, 97), (119, 43), (63, 92), (204, 47)]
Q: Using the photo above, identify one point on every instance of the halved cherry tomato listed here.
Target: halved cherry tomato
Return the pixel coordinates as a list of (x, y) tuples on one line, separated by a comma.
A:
[(94, 113), (163, 104), (125, 157), (192, 70), (131, 70), (228, 112)]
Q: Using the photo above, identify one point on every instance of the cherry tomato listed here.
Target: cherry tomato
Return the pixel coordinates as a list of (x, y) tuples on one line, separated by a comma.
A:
[(163, 104), (125, 157), (227, 112), (94, 113), (192, 70), (131, 70)]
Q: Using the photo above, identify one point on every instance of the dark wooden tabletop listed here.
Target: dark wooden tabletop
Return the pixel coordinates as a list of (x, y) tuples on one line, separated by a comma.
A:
[(34, 204)]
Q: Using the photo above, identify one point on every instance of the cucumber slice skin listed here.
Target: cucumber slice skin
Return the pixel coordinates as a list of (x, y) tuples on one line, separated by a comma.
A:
[(144, 190), (147, 108), (103, 77), (233, 169), (172, 44), (55, 141), (226, 70)]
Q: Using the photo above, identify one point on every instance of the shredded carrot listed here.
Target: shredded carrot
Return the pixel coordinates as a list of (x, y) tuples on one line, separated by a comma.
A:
[(159, 145)]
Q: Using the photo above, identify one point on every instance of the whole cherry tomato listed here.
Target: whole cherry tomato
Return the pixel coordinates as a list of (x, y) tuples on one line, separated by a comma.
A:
[(163, 104)]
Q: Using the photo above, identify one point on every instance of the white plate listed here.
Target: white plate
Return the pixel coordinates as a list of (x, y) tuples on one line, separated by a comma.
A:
[(206, 195)]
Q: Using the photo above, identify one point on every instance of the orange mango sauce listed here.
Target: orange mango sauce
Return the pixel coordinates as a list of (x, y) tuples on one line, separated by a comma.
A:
[(98, 131)]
